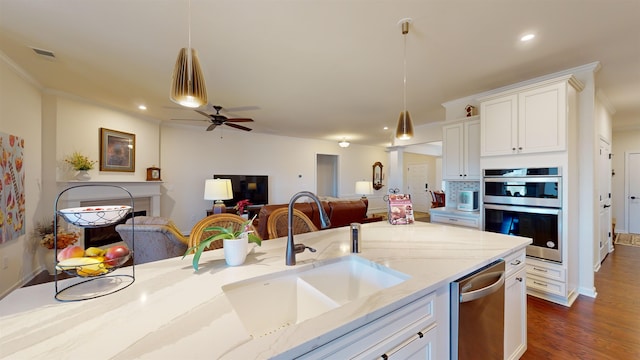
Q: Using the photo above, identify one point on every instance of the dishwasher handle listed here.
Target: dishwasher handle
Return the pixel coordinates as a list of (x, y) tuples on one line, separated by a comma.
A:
[(480, 293)]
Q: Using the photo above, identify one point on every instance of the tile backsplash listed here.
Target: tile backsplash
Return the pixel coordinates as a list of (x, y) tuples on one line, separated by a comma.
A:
[(453, 187)]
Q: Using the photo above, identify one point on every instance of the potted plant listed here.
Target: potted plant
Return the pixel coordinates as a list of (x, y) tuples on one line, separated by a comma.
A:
[(80, 163), (239, 208), (235, 243)]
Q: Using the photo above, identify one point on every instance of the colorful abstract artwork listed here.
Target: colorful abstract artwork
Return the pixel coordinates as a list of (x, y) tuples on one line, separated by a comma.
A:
[(12, 198)]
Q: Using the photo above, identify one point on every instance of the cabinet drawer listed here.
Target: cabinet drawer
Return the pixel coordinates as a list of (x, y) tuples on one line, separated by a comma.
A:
[(546, 285), (545, 271), (410, 318), (454, 220), (514, 262)]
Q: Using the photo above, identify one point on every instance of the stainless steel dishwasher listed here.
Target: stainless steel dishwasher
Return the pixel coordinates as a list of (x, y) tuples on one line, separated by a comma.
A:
[(477, 314)]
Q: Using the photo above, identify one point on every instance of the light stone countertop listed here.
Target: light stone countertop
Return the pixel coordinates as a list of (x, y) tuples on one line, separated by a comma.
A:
[(172, 312)]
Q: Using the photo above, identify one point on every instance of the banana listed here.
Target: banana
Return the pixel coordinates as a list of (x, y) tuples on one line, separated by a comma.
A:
[(94, 251)]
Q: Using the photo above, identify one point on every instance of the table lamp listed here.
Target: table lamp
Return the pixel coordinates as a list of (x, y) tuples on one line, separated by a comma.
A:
[(218, 190), (364, 188)]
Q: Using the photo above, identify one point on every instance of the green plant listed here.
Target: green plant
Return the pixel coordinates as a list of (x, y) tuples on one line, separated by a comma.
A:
[(79, 161), (223, 233)]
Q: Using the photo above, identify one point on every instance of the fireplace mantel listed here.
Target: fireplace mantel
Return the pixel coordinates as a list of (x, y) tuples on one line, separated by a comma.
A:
[(138, 189)]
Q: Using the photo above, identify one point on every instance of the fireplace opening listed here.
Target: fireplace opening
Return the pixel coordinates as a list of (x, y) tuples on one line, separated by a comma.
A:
[(106, 235)]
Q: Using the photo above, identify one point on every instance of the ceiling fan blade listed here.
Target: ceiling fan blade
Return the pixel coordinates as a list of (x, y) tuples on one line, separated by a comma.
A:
[(240, 120), (238, 127), (190, 120), (211, 127), (203, 113)]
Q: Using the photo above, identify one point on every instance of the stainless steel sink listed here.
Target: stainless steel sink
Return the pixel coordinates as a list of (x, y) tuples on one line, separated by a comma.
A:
[(271, 302)]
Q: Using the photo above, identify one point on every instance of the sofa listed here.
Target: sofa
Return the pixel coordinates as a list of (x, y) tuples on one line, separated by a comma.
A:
[(156, 238), (341, 213)]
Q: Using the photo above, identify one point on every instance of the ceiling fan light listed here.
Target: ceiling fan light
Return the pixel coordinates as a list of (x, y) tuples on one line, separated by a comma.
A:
[(187, 86), (404, 131)]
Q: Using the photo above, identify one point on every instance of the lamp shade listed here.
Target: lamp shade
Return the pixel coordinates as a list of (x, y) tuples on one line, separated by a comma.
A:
[(187, 87), (218, 189), (405, 127), (364, 187)]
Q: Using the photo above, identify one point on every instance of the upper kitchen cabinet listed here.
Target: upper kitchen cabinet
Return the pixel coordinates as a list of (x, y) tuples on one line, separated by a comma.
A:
[(461, 150), (530, 119)]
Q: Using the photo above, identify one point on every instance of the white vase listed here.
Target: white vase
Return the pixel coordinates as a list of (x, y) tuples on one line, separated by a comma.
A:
[(83, 175), (235, 251), (49, 260)]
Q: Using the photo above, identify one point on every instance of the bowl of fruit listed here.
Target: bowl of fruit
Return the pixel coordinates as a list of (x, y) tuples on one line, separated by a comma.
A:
[(93, 261), (95, 216)]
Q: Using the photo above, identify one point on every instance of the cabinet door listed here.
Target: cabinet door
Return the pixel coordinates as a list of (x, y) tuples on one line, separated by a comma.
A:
[(499, 126), (515, 315), (472, 150), (542, 119), (452, 152), (408, 346)]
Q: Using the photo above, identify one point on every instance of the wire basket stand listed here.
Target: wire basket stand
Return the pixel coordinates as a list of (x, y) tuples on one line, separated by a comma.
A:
[(105, 282)]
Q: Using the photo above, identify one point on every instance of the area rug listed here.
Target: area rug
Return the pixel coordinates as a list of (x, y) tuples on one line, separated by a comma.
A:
[(628, 239)]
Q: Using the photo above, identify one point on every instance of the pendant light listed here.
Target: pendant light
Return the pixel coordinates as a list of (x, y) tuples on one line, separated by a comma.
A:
[(187, 86), (404, 131)]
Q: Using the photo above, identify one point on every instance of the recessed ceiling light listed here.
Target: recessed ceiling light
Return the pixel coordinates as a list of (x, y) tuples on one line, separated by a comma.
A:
[(142, 107), (527, 37), (385, 128)]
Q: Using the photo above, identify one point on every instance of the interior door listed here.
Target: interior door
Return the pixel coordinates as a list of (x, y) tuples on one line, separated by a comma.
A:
[(633, 195), (604, 191), (417, 186), (327, 175)]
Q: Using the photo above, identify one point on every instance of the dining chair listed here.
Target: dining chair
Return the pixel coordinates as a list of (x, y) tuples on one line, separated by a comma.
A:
[(277, 225), (199, 234)]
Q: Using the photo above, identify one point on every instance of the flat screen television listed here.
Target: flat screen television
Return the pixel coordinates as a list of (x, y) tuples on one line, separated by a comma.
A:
[(255, 188)]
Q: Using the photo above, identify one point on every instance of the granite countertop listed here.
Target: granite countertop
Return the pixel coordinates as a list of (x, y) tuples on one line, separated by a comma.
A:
[(172, 312)]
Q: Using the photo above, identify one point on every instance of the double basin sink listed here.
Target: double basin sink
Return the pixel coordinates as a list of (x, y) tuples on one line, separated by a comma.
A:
[(271, 302)]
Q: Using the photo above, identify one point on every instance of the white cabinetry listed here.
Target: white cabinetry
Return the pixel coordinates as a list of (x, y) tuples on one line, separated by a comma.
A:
[(515, 306), (406, 333), (528, 120), (549, 281), (461, 151), (455, 217)]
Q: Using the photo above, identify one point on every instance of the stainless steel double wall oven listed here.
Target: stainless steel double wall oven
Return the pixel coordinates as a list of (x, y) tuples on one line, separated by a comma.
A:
[(526, 202)]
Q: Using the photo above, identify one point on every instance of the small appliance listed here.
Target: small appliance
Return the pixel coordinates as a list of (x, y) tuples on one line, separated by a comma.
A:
[(468, 200)]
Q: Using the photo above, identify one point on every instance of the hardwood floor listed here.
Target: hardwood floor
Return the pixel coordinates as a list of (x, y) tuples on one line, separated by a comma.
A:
[(607, 327)]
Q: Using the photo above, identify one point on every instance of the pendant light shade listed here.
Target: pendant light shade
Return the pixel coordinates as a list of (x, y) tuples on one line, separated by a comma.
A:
[(404, 131), (187, 87), (405, 126)]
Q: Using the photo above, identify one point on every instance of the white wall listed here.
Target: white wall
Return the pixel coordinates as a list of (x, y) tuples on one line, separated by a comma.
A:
[(20, 114), (189, 155), (78, 126), (624, 140)]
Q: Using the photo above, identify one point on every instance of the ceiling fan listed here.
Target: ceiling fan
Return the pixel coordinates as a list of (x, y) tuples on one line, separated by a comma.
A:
[(218, 119)]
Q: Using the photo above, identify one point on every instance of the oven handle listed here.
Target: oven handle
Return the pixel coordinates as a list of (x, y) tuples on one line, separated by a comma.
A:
[(552, 179), (526, 209)]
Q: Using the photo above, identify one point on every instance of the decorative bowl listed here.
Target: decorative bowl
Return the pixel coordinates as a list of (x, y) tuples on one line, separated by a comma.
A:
[(94, 216)]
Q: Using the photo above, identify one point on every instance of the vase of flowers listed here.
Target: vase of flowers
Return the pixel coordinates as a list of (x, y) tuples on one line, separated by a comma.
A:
[(80, 163), (235, 243), (44, 232), (241, 205)]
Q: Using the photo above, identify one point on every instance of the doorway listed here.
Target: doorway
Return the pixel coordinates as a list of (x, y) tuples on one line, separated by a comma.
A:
[(327, 175), (632, 195), (418, 182)]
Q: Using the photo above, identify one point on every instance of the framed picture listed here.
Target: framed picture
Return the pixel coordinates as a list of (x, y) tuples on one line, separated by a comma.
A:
[(117, 151)]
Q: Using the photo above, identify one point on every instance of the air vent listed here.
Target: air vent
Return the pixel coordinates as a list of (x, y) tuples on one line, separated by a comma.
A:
[(49, 55)]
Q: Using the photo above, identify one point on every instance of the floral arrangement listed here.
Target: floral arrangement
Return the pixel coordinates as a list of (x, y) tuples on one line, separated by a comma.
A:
[(44, 232), (79, 161), (241, 205), (223, 233)]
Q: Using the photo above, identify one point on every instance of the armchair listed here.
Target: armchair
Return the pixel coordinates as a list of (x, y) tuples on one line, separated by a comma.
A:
[(156, 238)]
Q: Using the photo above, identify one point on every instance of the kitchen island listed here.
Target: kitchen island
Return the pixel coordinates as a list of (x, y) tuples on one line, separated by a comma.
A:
[(170, 311)]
